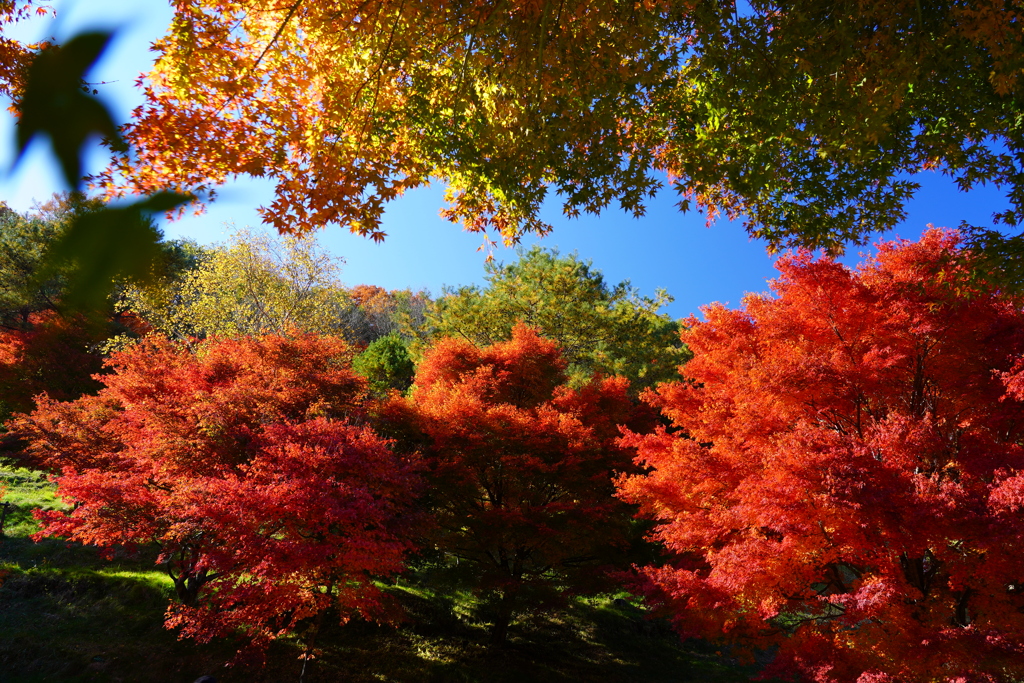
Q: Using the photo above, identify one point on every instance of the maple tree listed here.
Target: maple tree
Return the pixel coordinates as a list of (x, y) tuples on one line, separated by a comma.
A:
[(599, 328), (841, 481), (40, 349), (15, 56), (810, 118), (45, 345), (805, 117), (347, 105), (249, 464), (520, 468), (47, 353)]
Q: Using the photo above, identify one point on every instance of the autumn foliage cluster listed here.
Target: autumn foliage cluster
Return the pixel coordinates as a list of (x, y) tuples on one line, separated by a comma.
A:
[(254, 466), (248, 463), (841, 480), (520, 465), (836, 478), (807, 118)]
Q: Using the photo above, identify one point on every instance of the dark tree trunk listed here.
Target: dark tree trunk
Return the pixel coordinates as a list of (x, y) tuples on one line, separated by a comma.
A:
[(187, 588), (502, 618), (4, 507)]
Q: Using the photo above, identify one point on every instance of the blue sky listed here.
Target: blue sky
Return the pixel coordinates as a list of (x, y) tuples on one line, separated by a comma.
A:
[(664, 249)]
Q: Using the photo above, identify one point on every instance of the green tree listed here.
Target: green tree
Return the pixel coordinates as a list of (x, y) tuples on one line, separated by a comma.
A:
[(809, 119), (24, 240), (158, 301), (386, 365), (610, 330)]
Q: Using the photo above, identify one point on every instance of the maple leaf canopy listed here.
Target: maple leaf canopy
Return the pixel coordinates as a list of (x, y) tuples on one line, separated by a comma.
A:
[(808, 118), (520, 469), (842, 476), (248, 463)]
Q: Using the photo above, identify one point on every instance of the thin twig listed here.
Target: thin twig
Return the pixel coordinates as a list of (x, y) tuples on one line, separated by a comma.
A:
[(248, 72)]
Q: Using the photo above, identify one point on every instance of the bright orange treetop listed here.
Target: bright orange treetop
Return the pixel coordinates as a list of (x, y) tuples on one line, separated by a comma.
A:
[(520, 468)]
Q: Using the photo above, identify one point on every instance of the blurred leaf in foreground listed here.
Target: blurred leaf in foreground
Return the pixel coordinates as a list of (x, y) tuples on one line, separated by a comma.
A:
[(106, 244), (58, 103)]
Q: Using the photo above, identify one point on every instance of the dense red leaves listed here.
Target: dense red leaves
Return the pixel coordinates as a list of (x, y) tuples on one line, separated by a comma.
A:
[(521, 465), (49, 354), (244, 460), (843, 479), (317, 513)]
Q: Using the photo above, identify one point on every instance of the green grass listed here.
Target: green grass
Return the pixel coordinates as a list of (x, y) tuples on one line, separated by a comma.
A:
[(66, 614), (25, 490)]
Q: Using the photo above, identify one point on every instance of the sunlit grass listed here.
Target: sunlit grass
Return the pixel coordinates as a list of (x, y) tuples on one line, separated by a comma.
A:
[(24, 490)]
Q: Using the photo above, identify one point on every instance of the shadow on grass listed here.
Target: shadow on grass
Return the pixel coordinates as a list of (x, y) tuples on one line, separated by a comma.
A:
[(66, 614), (593, 640)]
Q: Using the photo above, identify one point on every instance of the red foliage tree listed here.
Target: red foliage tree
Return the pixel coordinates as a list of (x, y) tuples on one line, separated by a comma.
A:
[(841, 482), (244, 460), (521, 466)]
